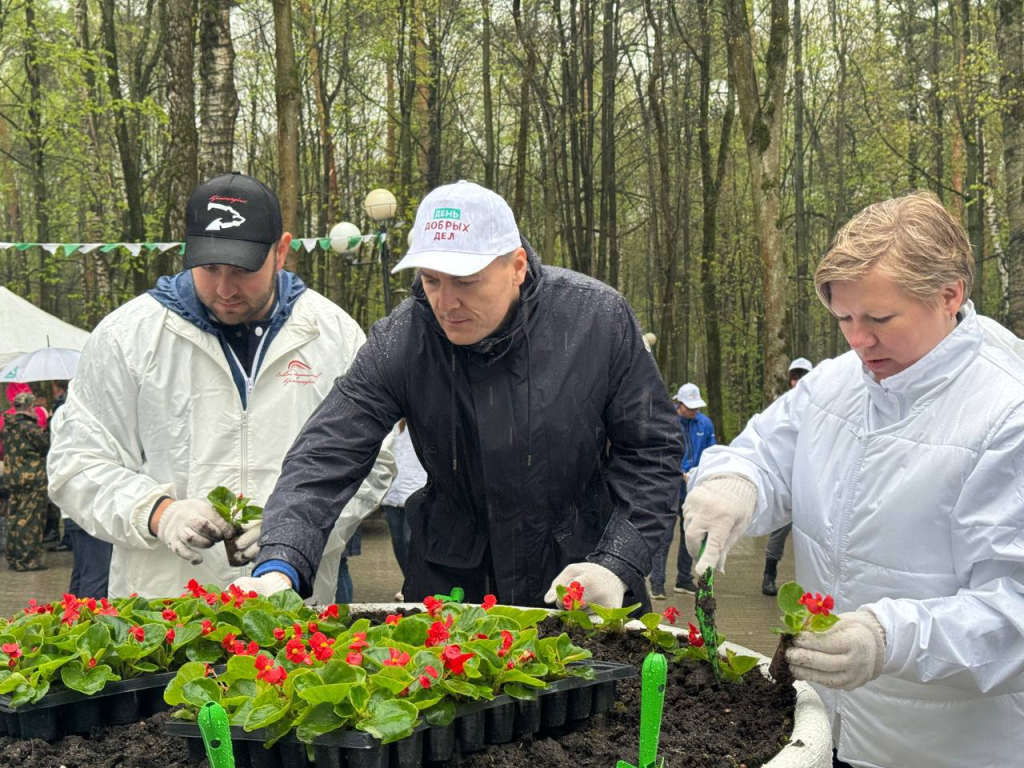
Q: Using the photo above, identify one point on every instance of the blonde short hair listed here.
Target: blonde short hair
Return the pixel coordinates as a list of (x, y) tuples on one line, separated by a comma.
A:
[(914, 240)]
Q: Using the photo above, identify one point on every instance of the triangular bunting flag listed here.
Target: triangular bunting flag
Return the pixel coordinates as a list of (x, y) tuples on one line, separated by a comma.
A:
[(296, 244), (108, 247), (50, 248), (70, 248), (164, 247), (89, 247), (133, 248), (309, 243), (324, 242), (5, 246), (24, 246)]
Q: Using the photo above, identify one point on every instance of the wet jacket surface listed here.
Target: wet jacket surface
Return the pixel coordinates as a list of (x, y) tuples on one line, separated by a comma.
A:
[(906, 499), (512, 432)]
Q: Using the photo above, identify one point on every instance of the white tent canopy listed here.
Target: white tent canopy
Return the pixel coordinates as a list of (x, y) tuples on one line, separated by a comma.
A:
[(24, 327)]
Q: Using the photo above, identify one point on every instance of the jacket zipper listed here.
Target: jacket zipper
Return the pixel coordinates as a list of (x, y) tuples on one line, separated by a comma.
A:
[(845, 502), (250, 384)]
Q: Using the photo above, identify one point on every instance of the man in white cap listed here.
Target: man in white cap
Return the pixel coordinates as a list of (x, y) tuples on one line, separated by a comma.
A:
[(541, 420), (773, 552), (698, 433)]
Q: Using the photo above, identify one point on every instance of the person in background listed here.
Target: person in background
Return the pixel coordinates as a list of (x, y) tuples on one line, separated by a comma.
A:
[(541, 420), (60, 394), (25, 463), (345, 589), (13, 390), (203, 382), (410, 478), (777, 540), (698, 434), (899, 464)]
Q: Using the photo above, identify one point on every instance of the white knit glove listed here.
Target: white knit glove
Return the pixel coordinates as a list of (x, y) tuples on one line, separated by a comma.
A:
[(192, 524), (599, 584), (248, 541), (265, 585), (848, 655), (719, 508)]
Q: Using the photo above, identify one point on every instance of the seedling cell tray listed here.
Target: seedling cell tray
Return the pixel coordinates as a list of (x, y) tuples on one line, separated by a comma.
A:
[(477, 724), (70, 712)]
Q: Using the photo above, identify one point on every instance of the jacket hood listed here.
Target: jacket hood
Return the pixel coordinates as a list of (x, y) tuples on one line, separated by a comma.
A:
[(178, 294)]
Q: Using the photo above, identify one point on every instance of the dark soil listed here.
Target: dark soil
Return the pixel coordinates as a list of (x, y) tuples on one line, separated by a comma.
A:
[(702, 727), (140, 745)]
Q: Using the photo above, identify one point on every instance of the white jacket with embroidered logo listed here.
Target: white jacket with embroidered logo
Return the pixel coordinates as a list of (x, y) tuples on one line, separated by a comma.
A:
[(905, 498), (154, 411)]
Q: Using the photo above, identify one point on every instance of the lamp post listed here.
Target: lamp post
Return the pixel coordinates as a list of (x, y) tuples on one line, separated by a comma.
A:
[(380, 205)]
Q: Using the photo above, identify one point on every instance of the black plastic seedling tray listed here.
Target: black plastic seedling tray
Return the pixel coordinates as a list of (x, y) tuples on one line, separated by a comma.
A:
[(476, 725), (65, 711)]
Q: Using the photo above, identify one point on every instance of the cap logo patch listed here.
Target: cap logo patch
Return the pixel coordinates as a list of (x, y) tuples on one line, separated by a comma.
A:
[(219, 223), (447, 213)]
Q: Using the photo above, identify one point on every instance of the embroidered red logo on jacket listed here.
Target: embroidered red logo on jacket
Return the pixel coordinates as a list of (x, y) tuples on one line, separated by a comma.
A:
[(298, 372)]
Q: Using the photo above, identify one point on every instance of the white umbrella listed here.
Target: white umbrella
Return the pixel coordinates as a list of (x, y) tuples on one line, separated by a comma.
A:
[(46, 364)]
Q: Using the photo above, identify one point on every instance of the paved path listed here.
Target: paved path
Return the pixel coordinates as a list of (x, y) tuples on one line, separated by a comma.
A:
[(745, 615)]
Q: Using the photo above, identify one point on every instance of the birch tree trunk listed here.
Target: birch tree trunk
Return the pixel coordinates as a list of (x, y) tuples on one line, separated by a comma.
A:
[(762, 119), (219, 108)]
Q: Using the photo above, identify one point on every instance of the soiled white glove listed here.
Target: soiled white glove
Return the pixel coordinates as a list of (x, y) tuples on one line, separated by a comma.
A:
[(599, 584), (719, 508), (192, 524), (848, 655), (265, 585), (248, 541)]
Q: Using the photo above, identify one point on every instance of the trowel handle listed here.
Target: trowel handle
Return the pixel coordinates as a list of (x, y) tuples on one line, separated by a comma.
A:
[(216, 730), (652, 702)]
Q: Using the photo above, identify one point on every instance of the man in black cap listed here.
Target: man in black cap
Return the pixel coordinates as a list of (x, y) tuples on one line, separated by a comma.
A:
[(202, 382)]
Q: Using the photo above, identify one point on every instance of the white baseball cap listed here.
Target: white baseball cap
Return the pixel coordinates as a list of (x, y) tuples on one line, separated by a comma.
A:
[(801, 364), (459, 229), (689, 395)]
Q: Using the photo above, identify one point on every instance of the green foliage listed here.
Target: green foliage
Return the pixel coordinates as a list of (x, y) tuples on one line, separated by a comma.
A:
[(801, 612), (234, 508)]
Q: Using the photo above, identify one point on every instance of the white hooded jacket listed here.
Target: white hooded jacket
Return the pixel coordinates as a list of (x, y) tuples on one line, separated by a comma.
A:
[(154, 411), (907, 498)]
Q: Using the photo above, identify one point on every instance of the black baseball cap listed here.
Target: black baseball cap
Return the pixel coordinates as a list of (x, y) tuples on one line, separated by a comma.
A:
[(231, 219)]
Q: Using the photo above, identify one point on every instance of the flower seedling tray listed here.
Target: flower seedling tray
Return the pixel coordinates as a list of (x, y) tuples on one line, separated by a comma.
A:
[(70, 712), (476, 725)]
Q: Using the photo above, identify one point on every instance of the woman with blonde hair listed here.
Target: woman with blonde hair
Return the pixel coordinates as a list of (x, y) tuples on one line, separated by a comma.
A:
[(900, 465)]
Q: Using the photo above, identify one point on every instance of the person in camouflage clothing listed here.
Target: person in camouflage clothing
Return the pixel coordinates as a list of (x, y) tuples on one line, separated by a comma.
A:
[(25, 448)]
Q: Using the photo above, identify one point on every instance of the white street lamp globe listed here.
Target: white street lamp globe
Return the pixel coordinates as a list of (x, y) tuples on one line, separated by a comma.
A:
[(380, 205), (341, 237)]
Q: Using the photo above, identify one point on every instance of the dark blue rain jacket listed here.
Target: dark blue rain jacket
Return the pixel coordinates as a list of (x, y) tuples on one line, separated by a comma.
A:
[(550, 443)]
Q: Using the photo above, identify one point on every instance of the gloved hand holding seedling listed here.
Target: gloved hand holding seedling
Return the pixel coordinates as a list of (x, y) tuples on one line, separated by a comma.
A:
[(801, 612), (244, 518)]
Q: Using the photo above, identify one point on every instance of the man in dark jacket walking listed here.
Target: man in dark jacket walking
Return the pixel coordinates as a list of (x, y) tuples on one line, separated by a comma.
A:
[(26, 444), (551, 450)]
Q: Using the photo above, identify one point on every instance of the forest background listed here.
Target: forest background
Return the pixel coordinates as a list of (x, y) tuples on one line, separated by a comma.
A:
[(697, 155)]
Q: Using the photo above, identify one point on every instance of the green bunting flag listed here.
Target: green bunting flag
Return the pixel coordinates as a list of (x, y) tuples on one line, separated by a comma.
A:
[(69, 249)]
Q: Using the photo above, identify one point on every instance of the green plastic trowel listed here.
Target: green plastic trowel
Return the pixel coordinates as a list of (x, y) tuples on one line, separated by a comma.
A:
[(216, 730), (705, 610), (652, 702)]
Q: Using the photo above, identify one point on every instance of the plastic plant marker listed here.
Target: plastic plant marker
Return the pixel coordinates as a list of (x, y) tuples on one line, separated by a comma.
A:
[(213, 724), (705, 609), (652, 703)]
